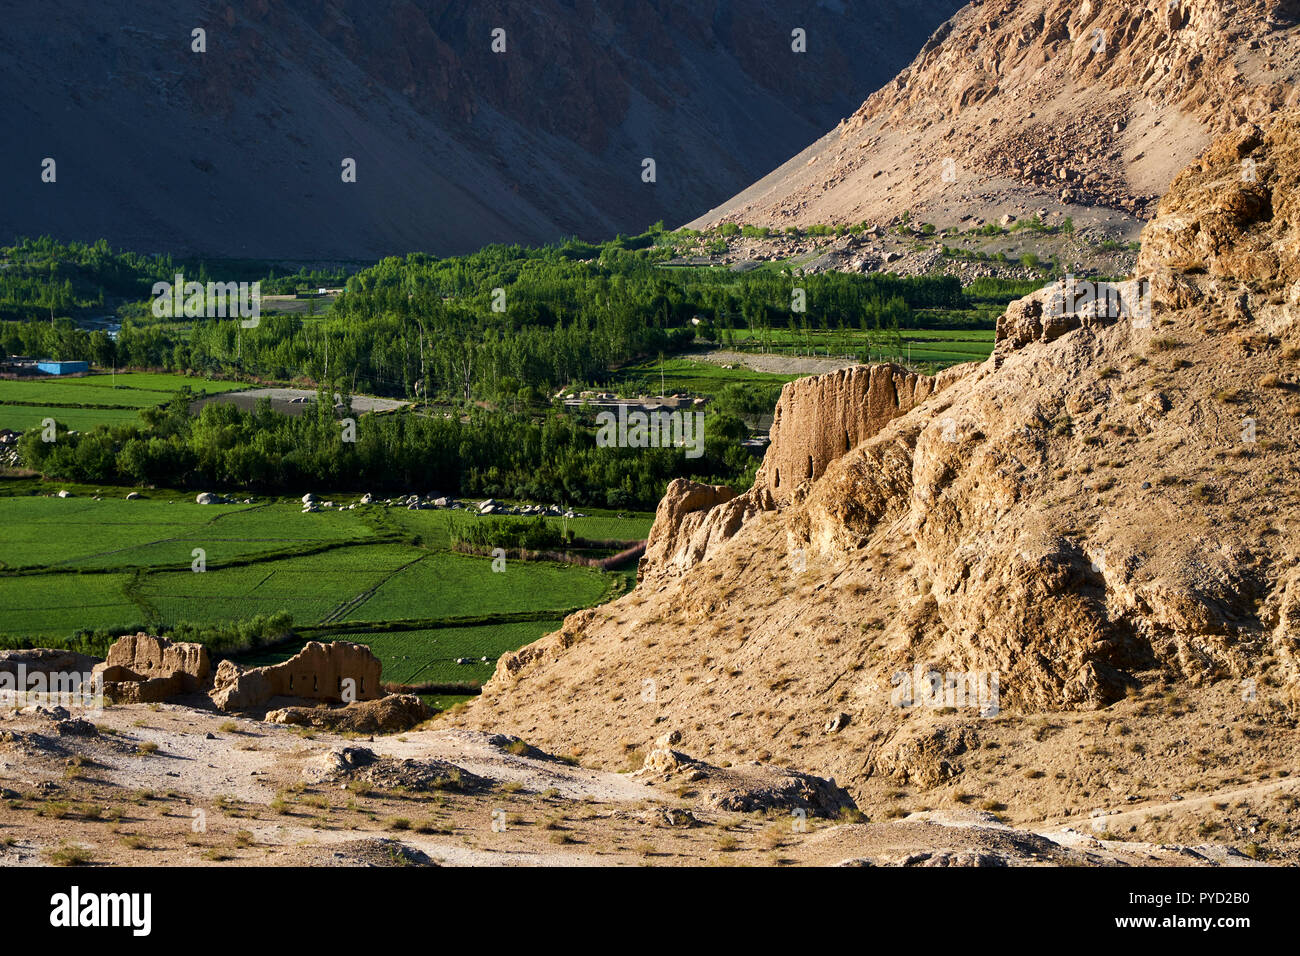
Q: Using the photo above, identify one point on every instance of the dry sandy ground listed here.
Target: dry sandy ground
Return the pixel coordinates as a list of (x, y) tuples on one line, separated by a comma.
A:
[(282, 400), (167, 784)]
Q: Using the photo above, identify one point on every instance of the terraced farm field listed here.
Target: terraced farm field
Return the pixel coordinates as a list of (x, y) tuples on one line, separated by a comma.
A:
[(376, 575)]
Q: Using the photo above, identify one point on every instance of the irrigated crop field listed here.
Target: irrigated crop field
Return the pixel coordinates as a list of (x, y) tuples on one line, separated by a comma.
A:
[(937, 347), (380, 576), (102, 399)]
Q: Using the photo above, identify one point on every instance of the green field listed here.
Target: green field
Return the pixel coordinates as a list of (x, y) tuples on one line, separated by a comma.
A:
[(429, 655), (73, 564), (448, 585), (434, 527), (22, 417), (100, 399), (114, 533), (689, 375), (932, 346)]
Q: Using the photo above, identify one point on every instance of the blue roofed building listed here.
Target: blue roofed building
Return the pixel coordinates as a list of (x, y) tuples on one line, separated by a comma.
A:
[(51, 367)]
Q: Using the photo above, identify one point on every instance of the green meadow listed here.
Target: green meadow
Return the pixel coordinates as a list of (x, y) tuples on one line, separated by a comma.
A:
[(380, 576), (101, 399)]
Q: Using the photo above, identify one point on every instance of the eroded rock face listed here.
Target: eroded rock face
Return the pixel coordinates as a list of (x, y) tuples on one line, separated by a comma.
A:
[(821, 418), (143, 668), (317, 672), (691, 520), (1083, 515), (817, 421), (1229, 226)]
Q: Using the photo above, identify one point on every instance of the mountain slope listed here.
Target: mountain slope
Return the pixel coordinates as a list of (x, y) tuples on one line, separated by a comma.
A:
[(238, 151), (1103, 514), (1084, 108)]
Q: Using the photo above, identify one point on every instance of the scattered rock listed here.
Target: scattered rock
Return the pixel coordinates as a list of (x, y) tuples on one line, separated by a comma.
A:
[(387, 715), (76, 727)]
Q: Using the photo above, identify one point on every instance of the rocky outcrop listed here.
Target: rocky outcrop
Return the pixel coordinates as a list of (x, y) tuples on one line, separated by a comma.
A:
[(752, 789), (1097, 514), (820, 418), (1070, 304), (817, 420), (338, 672), (1229, 227), (691, 520), (927, 757), (142, 668), (1015, 106), (387, 715)]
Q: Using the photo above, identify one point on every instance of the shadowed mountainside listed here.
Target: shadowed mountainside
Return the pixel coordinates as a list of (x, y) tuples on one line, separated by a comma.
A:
[(237, 151)]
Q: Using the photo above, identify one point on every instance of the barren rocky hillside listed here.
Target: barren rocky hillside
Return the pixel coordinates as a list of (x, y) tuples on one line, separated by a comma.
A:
[(1087, 108), (236, 151), (1103, 516)]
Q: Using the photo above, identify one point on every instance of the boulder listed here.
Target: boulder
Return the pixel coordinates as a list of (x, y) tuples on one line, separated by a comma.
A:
[(208, 498), (317, 672), (926, 757)]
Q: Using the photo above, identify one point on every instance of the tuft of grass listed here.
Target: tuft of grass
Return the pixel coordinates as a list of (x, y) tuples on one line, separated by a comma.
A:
[(69, 855)]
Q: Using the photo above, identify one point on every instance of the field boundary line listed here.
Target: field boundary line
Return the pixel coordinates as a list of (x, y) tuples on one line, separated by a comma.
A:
[(365, 596)]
